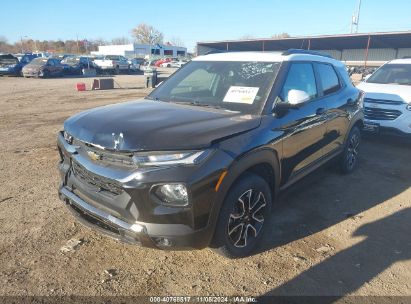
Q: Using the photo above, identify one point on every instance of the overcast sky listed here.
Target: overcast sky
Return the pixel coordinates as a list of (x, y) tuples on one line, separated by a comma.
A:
[(193, 21)]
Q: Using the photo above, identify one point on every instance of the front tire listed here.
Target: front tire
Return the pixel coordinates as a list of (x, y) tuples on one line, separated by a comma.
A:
[(242, 218), (349, 158), (45, 74)]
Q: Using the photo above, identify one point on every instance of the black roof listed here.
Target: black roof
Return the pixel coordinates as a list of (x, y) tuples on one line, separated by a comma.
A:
[(327, 42)]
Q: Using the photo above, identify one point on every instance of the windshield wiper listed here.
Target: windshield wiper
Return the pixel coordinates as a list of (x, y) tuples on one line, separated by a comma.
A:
[(205, 105)]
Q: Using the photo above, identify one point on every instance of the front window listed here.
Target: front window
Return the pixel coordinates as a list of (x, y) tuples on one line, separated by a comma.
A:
[(71, 60), (300, 77), (392, 74), (233, 86)]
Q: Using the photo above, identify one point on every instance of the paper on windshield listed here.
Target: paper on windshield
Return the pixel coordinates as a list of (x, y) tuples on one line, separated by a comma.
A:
[(241, 94)]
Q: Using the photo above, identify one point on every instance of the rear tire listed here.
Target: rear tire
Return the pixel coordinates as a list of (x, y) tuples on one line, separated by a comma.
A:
[(349, 157), (243, 216)]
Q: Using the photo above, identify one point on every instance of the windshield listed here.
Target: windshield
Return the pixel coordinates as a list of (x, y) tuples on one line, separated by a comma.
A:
[(234, 86), (72, 60), (392, 74), (39, 61)]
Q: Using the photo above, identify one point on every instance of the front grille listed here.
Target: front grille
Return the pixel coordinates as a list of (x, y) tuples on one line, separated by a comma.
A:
[(101, 183), (381, 114), (383, 101), (106, 156)]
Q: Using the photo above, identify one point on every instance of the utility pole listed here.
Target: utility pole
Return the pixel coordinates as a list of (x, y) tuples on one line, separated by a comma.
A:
[(355, 19)]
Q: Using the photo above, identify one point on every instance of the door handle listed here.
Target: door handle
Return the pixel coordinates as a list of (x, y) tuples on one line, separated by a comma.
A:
[(320, 111)]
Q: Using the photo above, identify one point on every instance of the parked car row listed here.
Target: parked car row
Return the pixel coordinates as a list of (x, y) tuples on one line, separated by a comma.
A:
[(170, 62), (13, 64), (37, 65), (364, 71)]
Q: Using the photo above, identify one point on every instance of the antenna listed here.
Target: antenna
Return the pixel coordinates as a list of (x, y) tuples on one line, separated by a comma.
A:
[(356, 19)]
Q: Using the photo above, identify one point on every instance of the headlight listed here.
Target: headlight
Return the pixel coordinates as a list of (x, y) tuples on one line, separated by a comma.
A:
[(169, 158), (68, 138), (171, 194)]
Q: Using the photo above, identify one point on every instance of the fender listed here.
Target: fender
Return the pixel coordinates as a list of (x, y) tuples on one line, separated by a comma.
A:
[(358, 117), (236, 169)]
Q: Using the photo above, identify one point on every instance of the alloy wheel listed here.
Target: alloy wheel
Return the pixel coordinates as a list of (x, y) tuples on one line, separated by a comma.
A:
[(352, 151), (247, 218)]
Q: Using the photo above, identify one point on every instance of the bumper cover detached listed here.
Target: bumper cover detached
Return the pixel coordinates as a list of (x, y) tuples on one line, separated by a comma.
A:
[(103, 221)]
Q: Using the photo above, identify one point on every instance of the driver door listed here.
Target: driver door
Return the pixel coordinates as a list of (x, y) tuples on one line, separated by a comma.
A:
[(304, 125)]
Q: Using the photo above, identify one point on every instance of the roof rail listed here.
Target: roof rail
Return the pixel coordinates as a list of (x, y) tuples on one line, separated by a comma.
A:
[(307, 52), (216, 52)]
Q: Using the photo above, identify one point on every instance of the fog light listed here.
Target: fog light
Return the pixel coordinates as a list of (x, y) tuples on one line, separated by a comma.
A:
[(163, 242), (172, 194)]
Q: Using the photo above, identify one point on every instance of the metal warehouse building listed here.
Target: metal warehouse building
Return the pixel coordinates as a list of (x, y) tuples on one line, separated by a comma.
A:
[(372, 49)]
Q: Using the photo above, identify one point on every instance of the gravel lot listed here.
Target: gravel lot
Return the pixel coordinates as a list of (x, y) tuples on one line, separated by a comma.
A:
[(329, 234)]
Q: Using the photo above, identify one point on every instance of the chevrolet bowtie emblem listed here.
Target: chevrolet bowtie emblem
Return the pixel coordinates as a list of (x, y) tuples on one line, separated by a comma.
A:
[(93, 155)]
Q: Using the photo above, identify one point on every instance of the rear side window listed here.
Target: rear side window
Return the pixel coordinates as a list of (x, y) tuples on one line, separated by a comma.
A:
[(300, 77), (329, 79)]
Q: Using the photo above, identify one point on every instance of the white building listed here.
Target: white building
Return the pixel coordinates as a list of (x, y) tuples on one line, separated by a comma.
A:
[(141, 50)]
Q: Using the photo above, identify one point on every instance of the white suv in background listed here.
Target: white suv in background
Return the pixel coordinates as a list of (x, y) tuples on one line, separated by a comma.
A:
[(388, 98)]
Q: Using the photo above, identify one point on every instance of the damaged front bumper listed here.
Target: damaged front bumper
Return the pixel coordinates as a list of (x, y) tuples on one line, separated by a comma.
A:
[(118, 201), (104, 222)]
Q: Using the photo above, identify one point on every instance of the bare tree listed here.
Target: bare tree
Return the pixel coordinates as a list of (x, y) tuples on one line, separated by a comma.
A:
[(176, 41), (4, 46), (247, 37), (281, 35), (120, 40), (147, 34)]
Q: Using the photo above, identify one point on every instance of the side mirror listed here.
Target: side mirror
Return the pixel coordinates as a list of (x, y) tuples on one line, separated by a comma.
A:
[(296, 97)]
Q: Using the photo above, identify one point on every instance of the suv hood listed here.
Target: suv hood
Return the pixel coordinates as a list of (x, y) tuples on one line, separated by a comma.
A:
[(155, 126), (393, 92)]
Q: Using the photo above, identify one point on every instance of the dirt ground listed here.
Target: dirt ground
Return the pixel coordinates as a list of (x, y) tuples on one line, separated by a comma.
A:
[(329, 234)]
